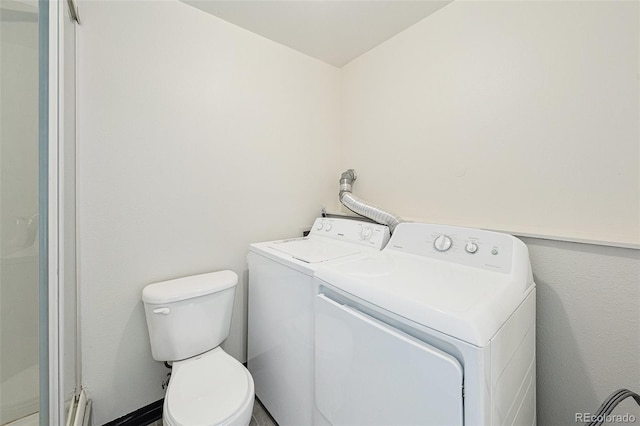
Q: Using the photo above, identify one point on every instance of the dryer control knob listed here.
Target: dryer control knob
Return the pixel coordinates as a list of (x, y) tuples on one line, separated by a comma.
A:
[(366, 233), (328, 227), (319, 226), (471, 247), (442, 243)]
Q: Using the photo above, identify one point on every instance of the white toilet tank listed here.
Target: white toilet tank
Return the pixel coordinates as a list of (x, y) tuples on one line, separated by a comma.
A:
[(188, 316)]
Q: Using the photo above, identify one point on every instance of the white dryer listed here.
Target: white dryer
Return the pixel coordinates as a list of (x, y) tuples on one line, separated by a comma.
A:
[(281, 300), (436, 329)]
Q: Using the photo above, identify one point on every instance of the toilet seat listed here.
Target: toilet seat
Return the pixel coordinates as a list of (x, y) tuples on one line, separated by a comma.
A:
[(209, 389)]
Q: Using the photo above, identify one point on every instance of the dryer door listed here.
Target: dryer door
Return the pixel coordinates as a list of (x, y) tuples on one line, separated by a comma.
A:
[(368, 373)]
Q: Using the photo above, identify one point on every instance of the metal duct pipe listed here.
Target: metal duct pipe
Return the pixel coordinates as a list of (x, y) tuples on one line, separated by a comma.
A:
[(358, 206)]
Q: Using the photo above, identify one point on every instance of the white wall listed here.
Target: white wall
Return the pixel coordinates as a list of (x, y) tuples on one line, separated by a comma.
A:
[(514, 115), (195, 138)]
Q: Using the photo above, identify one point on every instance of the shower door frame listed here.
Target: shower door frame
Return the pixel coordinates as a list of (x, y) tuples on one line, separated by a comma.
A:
[(58, 132), (50, 410)]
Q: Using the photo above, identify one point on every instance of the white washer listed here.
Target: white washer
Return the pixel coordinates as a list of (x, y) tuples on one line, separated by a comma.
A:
[(281, 300), (436, 329)]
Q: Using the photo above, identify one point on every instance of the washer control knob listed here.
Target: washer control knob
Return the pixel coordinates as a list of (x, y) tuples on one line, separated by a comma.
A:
[(471, 247), (327, 227), (320, 225), (442, 243), (366, 233)]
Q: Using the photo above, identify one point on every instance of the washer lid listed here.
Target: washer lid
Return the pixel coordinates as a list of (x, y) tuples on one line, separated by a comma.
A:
[(468, 303), (188, 287), (207, 389), (312, 250)]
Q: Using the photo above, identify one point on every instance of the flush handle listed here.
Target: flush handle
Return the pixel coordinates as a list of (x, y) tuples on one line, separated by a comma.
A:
[(162, 311)]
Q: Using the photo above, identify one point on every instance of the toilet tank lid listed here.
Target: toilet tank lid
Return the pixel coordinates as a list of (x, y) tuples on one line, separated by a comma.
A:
[(188, 287)]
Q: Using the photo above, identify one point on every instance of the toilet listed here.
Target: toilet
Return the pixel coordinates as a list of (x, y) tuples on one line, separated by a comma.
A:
[(188, 318)]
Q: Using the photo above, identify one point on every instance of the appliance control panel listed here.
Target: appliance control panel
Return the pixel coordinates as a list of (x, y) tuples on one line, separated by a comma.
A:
[(352, 231), (467, 246)]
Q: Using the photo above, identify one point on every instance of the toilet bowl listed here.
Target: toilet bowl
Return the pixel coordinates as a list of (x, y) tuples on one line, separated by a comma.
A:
[(210, 389), (188, 318)]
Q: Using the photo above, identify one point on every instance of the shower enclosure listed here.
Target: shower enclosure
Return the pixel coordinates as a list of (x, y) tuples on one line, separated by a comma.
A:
[(38, 325)]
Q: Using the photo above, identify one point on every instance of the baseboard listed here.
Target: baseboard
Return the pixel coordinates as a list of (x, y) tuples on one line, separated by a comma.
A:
[(141, 417)]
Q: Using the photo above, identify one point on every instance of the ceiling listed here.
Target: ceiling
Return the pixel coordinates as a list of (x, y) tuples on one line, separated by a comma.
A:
[(333, 31)]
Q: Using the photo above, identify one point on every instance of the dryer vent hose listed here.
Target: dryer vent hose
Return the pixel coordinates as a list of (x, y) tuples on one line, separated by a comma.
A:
[(604, 412), (358, 206)]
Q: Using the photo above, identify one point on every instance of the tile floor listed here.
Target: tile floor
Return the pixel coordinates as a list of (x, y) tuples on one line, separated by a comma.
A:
[(260, 417)]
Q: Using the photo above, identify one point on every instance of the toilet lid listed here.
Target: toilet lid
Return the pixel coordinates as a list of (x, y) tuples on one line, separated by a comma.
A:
[(207, 389)]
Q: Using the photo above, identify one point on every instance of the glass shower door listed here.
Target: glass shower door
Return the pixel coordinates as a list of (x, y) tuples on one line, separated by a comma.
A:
[(19, 212)]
